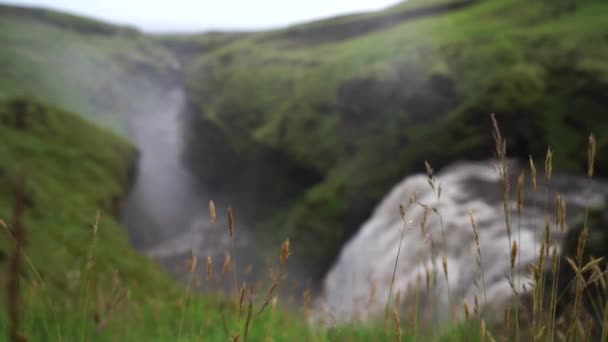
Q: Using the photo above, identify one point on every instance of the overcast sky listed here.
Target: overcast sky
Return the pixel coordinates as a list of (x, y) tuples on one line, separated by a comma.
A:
[(201, 15)]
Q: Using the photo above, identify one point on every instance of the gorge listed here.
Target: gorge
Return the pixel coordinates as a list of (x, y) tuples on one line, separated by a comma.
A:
[(304, 131)]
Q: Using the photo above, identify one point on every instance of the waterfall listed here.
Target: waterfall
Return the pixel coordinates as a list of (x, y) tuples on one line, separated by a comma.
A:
[(357, 286), (166, 213)]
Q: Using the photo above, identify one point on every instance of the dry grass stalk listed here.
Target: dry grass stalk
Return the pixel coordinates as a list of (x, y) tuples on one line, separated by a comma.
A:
[(444, 263), (228, 259), (500, 143), (582, 240), (269, 296), (186, 298), (428, 280), (503, 170), (538, 272), (13, 285), (541, 333), (88, 267), (580, 287), (479, 259), (547, 231), (605, 323), (561, 214), (587, 331), (398, 299), (548, 165), (230, 223), (402, 211), (193, 261), (555, 266), (113, 304), (591, 155), (212, 212), (424, 222), (307, 298), (241, 298), (248, 320), (397, 324), (520, 192)]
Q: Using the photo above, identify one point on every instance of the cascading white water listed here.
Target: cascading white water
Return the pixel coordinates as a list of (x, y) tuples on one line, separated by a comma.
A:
[(357, 286)]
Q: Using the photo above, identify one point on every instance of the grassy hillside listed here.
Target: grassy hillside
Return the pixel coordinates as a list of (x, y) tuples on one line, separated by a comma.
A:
[(85, 66), (72, 169), (323, 118)]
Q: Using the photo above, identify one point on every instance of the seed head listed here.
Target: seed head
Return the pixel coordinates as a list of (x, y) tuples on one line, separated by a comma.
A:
[(193, 260), (533, 173), (209, 267), (397, 323), (467, 309), (285, 252), (227, 262), (513, 254), (549, 164), (520, 192), (212, 212)]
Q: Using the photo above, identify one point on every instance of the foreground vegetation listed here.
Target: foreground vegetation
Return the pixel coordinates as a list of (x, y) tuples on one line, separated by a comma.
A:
[(71, 274)]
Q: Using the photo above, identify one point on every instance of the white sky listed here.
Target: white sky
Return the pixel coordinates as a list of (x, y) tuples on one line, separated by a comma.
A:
[(201, 15)]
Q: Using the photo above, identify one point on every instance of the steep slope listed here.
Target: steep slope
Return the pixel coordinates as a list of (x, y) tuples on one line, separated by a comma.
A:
[(71, 170), (317, 121)]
